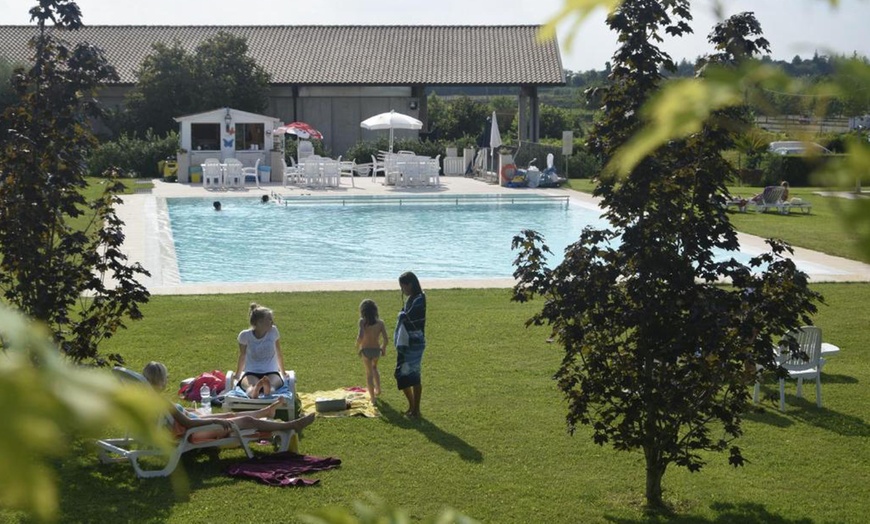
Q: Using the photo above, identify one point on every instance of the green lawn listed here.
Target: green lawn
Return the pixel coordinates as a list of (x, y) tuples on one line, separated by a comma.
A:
[(493, 443), (822, 230)]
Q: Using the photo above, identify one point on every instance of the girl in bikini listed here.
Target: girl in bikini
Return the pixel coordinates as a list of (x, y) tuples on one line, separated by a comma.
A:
[(371, 341)]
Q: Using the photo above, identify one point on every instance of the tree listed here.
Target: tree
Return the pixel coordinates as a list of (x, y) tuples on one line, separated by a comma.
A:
[(74, 401), (227, 76), (658, 356), (56, 246), (167, 87), (172, 82), (7, 95), (456, 118), (554, 120)]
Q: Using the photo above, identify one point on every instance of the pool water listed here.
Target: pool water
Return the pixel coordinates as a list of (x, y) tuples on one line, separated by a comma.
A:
[(249, 241)]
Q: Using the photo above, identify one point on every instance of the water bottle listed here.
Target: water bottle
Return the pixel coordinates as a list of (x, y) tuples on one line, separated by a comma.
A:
[(205, 394)]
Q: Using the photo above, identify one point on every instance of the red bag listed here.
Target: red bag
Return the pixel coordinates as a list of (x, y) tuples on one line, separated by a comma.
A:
[(215, 380)]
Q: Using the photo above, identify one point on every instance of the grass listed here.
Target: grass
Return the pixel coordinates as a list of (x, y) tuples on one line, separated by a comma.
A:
[(822, 230), (493, 443)]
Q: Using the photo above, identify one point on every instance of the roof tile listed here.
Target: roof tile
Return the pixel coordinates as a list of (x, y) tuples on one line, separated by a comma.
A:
[(341, 55)]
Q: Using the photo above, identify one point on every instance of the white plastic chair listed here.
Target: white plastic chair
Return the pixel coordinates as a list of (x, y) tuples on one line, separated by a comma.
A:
[(304, 149), (252, 171), (331, 173), (311, 170), (212, 174), (291, 174), (809, 339), (233, 177), (392, 175), (410, 169), (346, 168), (377, 166), (433, 171)]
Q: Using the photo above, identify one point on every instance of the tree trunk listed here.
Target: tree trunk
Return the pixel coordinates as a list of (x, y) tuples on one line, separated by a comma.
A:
[(654, 473)]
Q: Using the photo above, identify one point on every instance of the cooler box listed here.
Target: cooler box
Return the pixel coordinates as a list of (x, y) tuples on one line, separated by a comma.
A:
[(265, 173), (325, 405), (195, 174)]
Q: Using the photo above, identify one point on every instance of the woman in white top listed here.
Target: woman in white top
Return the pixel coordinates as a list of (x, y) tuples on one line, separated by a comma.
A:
[(261, 365)]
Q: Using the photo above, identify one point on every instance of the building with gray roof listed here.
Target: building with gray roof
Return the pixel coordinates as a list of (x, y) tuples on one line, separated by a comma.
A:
[(333, 77)]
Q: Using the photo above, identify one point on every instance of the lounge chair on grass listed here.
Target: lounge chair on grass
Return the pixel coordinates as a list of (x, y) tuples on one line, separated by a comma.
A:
[(130, 449), (799, 203), (771, 198)]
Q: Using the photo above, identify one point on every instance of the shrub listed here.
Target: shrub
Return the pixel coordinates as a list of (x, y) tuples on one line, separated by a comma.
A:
[(750, 177), (583, 164), (362, 152), (291, 145), (794, 169), (136, 157)]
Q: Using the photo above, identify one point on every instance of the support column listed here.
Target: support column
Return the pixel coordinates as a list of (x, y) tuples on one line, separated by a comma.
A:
[(295, 107), (419, 92), (529, 123), (522, 115), (535, 120)]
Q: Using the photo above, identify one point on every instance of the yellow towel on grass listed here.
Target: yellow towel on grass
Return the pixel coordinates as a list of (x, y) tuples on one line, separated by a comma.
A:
[(360, 405)]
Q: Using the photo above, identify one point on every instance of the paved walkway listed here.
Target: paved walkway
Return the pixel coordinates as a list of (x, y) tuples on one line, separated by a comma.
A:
[(149, 237)]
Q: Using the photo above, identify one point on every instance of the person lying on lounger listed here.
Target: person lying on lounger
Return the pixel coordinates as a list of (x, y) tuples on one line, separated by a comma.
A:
[(157, 376)]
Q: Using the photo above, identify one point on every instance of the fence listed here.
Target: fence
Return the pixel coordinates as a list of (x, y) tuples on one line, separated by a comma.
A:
[(802, 125)]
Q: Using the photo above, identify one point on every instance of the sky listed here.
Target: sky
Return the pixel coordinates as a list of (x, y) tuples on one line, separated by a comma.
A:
[(793, 27)]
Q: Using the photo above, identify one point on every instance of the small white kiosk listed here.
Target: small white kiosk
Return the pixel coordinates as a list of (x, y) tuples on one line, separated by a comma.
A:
[(227, 133)]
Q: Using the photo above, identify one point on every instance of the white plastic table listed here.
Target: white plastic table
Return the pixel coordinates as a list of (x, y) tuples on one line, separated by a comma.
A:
[(829, 349)]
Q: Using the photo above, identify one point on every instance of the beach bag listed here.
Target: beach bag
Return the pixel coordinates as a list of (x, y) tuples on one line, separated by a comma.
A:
[(400, 337), (215, 380)]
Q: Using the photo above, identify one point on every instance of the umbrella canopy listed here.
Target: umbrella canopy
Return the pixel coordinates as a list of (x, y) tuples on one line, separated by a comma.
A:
[(391, 120), (494, 140), (300, 129), (494, 135)]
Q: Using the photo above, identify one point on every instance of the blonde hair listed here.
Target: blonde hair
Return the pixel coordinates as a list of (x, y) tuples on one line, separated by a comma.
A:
[(156, 375), (259, 312)]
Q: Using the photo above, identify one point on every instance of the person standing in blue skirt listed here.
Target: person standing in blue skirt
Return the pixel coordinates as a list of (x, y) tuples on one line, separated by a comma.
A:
[(410, 341)]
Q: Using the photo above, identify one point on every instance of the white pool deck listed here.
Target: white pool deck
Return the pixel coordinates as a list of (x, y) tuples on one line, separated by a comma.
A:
[(148, 241)]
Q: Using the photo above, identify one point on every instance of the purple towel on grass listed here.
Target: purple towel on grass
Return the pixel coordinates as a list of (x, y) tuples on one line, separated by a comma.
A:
[(283, 469)]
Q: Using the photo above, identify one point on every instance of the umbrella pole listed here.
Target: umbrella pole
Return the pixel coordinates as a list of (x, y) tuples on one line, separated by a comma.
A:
[(391, 140)]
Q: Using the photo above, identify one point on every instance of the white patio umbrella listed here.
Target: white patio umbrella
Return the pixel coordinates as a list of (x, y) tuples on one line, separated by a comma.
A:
[(494, 141), (391, 120)]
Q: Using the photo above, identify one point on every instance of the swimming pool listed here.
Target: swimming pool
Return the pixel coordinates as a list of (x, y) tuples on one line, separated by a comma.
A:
[(374, 239)]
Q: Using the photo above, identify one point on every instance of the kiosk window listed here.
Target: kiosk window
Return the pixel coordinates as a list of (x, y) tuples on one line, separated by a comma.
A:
[(205, 137), (250, 136)]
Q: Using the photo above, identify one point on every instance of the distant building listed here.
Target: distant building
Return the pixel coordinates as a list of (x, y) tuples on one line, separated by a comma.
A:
[(333, 77)]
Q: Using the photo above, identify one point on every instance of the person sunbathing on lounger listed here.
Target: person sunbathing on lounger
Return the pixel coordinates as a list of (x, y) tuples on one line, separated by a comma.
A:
[(157, 376)]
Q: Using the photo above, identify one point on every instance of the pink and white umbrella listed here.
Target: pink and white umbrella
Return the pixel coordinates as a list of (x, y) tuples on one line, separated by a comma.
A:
[(300, 129)]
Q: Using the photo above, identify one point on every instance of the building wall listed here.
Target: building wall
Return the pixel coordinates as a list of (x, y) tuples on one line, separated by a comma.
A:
[(335, 111)]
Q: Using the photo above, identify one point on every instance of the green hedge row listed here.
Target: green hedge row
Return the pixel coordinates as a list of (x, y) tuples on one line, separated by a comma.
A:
[(794, 169), (133, 157)]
